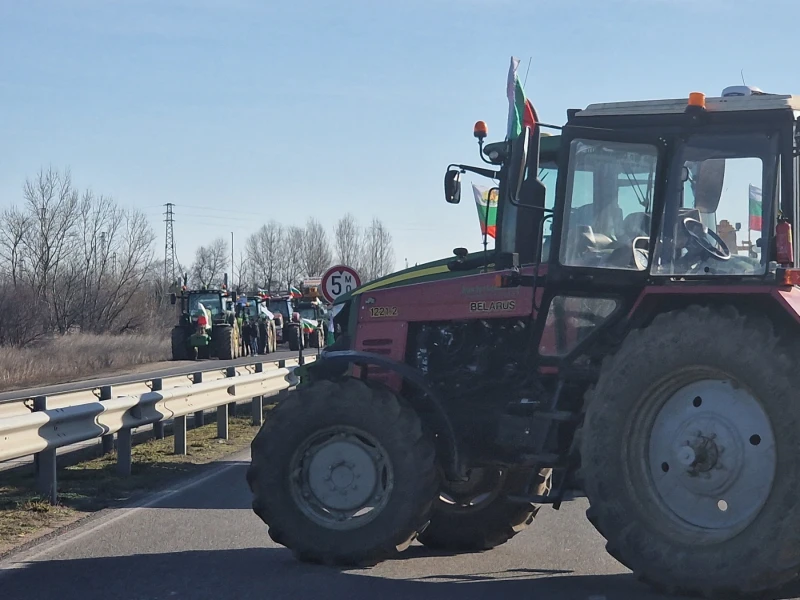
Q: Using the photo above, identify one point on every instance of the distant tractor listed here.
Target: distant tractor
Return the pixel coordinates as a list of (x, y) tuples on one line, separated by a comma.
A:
[(612, 342), (207, 326), (313, 316), (281, 307)]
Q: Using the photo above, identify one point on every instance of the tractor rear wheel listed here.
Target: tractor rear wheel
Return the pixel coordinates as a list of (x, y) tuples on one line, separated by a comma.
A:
[(179, 349), (476, 515), (342, 473), (689, 454), (224, 342)]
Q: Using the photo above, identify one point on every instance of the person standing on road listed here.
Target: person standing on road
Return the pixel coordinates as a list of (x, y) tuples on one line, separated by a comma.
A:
[(247, 336), (254, 337), (263, 337)]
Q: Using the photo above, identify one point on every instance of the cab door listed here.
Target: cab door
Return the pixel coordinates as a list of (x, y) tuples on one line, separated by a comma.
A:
[(608, 191)]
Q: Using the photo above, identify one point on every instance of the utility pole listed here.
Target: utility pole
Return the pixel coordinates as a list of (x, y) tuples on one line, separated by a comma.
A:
[(169, 247), (232, 273)]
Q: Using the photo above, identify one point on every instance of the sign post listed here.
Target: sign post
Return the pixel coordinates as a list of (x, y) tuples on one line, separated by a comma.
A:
[(337, 281)]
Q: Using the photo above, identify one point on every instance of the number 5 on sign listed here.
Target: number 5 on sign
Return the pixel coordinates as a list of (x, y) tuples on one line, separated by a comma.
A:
[(339, 280)]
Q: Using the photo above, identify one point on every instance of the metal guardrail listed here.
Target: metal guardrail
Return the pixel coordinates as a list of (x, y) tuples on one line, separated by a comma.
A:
[(59, 421)]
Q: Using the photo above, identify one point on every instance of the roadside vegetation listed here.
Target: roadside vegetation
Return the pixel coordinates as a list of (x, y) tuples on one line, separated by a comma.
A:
[(77, 356)]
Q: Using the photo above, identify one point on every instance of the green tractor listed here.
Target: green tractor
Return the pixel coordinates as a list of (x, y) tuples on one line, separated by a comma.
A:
[(207, 325)]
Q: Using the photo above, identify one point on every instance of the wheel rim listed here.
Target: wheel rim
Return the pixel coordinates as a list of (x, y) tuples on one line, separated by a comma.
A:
[(711, 456), (341, 478), (482, 488)]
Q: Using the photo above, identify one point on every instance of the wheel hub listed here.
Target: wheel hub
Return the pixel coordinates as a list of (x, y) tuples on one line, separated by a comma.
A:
[(337, 475), (712, 456)]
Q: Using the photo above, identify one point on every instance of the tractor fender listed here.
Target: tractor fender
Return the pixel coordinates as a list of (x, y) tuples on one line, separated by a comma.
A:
[(332, 364)]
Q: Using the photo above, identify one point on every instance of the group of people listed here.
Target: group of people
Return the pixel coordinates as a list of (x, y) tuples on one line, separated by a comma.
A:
[(255, 335)]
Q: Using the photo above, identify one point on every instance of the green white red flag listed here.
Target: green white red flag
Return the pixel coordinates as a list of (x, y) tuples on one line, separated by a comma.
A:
[(521, 113), (754, 194), (486, 198)]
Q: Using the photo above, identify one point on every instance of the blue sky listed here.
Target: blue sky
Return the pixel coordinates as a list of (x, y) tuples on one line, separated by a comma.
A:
[(239, 111)]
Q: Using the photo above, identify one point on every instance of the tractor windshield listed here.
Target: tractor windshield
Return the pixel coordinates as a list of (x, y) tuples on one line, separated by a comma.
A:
[(713, 216), (308, 312), (212, 303), (279, 306)]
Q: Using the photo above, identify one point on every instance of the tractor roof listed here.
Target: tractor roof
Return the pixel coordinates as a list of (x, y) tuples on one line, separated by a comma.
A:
[(678, 105)]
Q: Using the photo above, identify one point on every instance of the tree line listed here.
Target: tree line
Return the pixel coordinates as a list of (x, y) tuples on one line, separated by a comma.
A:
[(277, 256), (75, 260)]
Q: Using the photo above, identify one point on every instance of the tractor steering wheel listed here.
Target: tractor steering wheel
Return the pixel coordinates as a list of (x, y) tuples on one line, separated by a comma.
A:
[(707, 239)]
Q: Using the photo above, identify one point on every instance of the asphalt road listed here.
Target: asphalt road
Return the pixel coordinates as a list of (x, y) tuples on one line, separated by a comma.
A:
[(202, 541), (181, 368)]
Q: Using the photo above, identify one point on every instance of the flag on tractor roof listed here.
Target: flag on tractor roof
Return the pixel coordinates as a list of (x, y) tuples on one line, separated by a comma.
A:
[(294, 292), (521, 113), (486, 198), (755, 207)]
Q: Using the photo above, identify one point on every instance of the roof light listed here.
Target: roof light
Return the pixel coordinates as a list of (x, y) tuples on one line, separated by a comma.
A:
[(480, 130), (789, 276), (697, 99)]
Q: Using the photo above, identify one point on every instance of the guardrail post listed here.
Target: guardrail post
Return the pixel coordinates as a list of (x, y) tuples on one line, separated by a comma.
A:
[(107, 440), (179, 433), (124, 449), (199, 421), (282, 363), (46, 482), (231, 372), (258, 401), (158, 426)]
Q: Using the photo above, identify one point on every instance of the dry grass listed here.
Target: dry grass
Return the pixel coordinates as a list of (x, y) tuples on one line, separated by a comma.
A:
[(72, 357), (95, 484)]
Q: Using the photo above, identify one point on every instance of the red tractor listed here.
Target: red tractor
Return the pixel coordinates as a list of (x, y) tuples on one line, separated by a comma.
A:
[(630, 353)]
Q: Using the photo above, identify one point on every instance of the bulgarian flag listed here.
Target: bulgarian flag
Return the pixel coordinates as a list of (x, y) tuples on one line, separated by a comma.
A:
[(755, 208), (294, 292), (486, 197), (309, 326), (521, 113)]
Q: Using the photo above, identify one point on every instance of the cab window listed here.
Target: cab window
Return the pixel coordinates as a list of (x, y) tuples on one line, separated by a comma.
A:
[(608, 204)]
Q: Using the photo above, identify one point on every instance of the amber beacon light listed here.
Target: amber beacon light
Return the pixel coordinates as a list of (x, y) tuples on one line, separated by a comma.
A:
[(480, 130), (697, 99)]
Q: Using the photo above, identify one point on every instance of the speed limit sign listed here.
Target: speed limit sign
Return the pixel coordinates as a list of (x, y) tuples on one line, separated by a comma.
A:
[(339, 280)]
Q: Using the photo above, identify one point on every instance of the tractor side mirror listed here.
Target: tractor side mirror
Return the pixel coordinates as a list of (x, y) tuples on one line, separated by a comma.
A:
[(452, 186), (173, 298)]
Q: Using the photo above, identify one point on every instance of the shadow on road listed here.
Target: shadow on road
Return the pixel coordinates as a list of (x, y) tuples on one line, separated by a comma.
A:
[(273, 573)]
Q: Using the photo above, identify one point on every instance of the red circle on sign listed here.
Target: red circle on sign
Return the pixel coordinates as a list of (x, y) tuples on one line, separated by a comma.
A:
[(337, 281)]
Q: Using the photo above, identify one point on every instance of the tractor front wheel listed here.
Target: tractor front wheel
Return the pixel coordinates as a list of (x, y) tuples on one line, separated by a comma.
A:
[(294, 337), (476, 515), (342, 473), (179, 349), (689, 454)]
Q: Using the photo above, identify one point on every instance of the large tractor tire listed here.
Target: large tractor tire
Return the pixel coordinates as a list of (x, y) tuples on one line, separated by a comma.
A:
[(690, 456), (315, 339), (179, 348), (342, 474), (224, 341), (295, 338), (476, 515)]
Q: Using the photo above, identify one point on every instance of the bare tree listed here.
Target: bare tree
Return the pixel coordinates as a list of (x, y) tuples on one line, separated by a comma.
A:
[(348, 242), (14, 226), (316, 249), (264, 249), (290, 262), (378, 251), (209, 263)]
